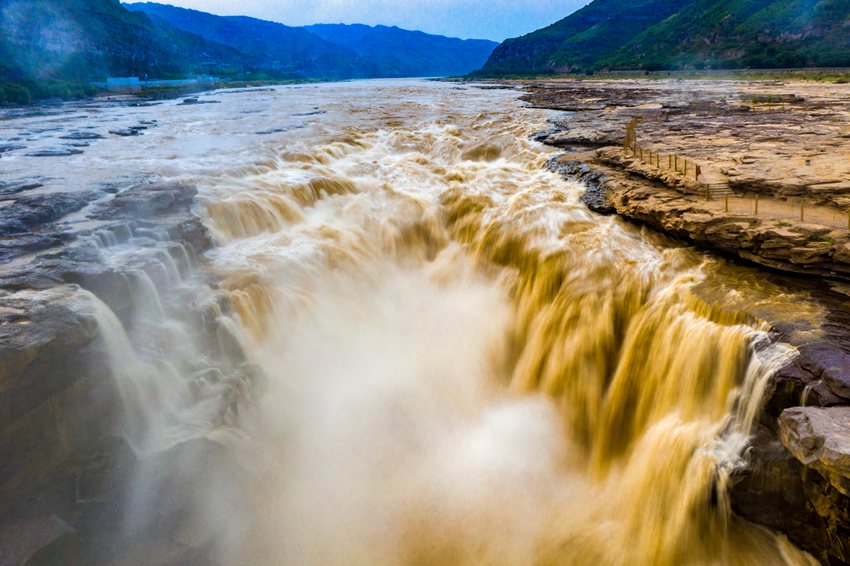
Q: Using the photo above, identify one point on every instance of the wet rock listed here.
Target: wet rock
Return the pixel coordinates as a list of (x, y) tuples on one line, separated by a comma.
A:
[(61, 152), (820, 439), (193, 101), (24, 244), (24, 538), (56, 395), (596, 196), (125, 132), (8, 189), (147, 200), (81, 136), (25, 213), (775, 490)]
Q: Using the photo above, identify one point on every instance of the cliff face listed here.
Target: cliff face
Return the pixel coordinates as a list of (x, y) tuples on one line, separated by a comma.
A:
[(676, 34)]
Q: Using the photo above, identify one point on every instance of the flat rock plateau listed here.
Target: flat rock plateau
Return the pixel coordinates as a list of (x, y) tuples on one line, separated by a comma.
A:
[(772, 189)]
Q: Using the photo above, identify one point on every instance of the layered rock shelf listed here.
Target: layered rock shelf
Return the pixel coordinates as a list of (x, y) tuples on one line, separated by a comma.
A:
[(777, 157), (67, 461)]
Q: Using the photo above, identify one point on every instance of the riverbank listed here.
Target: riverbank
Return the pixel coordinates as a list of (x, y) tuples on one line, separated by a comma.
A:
[(13, 95), (759, 171)]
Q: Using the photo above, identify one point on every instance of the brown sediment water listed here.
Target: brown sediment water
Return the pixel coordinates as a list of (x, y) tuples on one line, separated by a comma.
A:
[(464, 365)]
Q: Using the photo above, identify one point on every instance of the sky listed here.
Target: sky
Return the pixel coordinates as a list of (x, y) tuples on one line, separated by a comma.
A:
[(484, 19)]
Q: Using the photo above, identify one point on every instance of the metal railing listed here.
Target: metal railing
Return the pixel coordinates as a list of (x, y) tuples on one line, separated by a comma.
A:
[(751, 204), (669, 161)]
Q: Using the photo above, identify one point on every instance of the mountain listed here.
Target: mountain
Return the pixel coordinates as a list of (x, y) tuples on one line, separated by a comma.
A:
[(329, 50), (51, 46), (269, 45), (680, 34), (744, 34), (58, 48), (395, 52), (580, 40)]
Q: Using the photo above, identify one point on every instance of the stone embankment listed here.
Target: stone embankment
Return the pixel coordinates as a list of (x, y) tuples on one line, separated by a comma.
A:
[(66, 466), (786, 144)]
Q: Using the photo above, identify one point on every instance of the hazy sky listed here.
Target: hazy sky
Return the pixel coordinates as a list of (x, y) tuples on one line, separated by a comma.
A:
[(489, 19)]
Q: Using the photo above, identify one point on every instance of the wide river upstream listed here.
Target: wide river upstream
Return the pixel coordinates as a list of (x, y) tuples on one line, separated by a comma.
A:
[(462, 364)]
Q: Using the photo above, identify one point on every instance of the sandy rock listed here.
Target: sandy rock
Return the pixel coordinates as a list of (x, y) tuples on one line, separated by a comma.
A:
[(820, 439)]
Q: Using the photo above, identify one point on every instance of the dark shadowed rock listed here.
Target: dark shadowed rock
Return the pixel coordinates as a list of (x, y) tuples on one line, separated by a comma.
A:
[(7, 189), (146, 201), (23, 244), (125, 132), (81, 136), (193, 101), (820, 439), (61, 152), (29, 212), (775, 490)]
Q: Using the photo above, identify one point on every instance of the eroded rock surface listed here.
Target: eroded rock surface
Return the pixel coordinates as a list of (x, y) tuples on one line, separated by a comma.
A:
[(796, 477), (65, 466)]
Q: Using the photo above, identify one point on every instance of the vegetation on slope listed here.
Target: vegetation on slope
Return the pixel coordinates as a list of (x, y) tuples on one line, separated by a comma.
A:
[(744, 34), (684, 34), (395, 52), (579, 40), (268, 45), (58, 47)]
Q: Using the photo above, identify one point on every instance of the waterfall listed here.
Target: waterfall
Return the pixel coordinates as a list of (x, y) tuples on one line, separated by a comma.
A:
[(463, 365)]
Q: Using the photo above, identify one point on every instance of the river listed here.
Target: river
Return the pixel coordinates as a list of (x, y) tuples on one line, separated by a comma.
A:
[(462, 364)]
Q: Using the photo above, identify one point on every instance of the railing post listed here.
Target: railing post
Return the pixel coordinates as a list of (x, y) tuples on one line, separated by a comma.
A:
[(707, 192), (669, 162), (802, 217), (756, 205), (726, 203), (697, 171)]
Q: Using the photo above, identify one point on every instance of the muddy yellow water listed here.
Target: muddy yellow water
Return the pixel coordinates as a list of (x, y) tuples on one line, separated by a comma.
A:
[(463, 364)]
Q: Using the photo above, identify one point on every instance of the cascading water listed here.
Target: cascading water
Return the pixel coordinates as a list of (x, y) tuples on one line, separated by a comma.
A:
[(464, 365)]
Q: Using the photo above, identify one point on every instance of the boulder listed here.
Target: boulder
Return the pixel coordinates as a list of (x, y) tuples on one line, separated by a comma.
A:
[(820, 439)]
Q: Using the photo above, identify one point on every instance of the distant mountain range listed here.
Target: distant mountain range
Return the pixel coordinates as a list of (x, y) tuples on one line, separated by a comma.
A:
[(329, 50), (56, 48), (393, 52), (683, 34)]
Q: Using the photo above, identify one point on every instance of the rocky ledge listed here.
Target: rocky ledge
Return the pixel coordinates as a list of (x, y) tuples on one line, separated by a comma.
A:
[(623, 185), (798, 471), (66, 464), (797, 476)]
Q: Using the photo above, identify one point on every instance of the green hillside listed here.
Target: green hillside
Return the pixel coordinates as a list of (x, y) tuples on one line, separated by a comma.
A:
[(744, 34), (269, 45), (578, 41), (684, 34), (57, 47)]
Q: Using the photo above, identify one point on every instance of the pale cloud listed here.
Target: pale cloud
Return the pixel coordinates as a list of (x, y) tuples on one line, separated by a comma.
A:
[(490, 19)]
